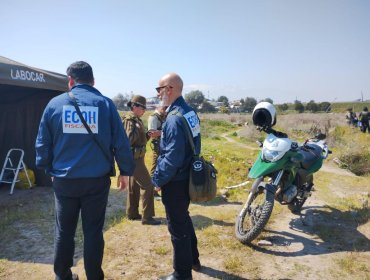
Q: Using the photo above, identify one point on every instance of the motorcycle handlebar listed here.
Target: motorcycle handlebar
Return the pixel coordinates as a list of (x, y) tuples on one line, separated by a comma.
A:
[(269, 130)]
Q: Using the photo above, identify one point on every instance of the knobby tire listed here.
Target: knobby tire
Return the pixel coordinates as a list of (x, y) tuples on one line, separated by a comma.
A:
[(246, 237)]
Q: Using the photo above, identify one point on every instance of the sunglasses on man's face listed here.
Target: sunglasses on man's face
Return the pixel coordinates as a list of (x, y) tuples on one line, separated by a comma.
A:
[(140, 106), (158, 89)]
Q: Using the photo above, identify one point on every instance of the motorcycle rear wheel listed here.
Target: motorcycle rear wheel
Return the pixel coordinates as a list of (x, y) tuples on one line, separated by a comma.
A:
[(252, 220)]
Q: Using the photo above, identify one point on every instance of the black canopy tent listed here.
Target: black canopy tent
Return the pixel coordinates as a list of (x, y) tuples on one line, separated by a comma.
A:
[(24, 93)]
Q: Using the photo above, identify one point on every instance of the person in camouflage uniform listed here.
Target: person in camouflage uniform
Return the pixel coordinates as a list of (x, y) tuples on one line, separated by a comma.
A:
[(141, 179), (155, 122), (364, 117), (351, 117)]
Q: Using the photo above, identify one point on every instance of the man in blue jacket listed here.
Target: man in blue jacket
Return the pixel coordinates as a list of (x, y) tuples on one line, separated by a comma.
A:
[(80, 169), (172, 175)]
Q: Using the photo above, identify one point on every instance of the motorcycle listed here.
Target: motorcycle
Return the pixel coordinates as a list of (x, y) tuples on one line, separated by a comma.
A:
[(283, 172)]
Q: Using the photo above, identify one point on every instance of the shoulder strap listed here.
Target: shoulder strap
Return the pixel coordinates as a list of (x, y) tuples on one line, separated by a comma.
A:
[(86, 125), (159, 117), (188, 132)]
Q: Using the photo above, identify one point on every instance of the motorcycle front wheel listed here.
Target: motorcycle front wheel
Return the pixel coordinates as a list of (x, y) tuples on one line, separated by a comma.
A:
[(253, 218)]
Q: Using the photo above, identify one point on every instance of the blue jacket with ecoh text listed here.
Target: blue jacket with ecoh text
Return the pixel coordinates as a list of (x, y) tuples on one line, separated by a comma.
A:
[(173, 164), (65, 149)]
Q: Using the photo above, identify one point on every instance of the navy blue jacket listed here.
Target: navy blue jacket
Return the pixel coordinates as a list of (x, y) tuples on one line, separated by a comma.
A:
[(173, 164), (65, 149)]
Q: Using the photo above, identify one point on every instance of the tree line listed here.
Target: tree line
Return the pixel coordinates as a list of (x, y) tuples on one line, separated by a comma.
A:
[(197, 100)]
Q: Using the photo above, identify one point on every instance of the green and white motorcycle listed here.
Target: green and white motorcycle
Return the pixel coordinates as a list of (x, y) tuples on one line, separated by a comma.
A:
[(283, 172)]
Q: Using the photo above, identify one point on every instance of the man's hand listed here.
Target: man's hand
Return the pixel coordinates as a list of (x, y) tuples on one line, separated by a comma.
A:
[(157, 189), (155, 133), (123, 183)]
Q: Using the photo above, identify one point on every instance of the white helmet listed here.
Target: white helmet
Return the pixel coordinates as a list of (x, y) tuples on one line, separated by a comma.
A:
[(264, 115)]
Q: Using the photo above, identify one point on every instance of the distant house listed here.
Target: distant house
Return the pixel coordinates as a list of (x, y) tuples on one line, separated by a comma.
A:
[(235, 106), (152, 103), (214, 103)]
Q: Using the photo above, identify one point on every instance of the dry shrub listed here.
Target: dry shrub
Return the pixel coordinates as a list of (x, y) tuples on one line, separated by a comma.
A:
[(357, 162), (310, 124), (299, 126), (234, 118), (250, 132), (352, 149)]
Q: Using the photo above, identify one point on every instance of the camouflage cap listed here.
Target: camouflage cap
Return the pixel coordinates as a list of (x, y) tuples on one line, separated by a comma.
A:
[(137, 100)]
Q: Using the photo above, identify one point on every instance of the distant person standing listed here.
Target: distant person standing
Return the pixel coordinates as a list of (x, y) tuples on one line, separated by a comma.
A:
[(80, 168), (140, 180), (155, 122), (364, 117), (172, 175), (351, 117)]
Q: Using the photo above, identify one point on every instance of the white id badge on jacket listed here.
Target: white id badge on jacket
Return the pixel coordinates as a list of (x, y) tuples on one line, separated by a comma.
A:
[(71, 121), (193, 121)]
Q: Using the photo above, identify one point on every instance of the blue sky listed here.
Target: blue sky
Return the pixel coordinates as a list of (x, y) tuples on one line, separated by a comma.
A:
[(317, 49)]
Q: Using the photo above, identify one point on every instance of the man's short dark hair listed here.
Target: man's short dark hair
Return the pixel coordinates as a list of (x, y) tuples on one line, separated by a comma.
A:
[(81, 72)]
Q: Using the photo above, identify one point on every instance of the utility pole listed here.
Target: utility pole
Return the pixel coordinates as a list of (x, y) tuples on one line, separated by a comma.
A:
[(362, 97)]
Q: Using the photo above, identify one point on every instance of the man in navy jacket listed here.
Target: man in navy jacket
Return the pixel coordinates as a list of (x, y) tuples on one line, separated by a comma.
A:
[(80, 168), (172, 175)]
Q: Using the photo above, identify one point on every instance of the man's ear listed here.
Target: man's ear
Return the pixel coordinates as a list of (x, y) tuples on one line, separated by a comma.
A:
[(169, 91), (71, 82)]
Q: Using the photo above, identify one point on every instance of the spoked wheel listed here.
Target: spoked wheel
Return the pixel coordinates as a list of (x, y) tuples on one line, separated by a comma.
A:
[(253, 218)]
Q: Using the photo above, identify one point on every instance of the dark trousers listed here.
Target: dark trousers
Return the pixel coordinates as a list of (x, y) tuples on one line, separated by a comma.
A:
[(72, 196), (175, 198), (365, 125)]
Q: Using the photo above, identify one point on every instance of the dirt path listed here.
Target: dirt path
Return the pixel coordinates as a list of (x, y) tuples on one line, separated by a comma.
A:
[(332, 168), (234, 142)]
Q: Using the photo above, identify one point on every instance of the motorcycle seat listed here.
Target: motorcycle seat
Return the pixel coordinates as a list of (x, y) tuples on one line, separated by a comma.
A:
[(311, 153)]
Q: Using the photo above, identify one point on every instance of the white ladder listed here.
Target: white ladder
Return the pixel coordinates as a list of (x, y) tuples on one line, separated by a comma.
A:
[(16, 155)]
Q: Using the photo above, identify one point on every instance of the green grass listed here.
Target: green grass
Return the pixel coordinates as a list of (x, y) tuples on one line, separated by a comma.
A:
[(233, 264), (353, 266), (209, 237), (230, 162), (298, 269), (214, 128), (342, 106), (2, 267), (161, 250), (355, 208)]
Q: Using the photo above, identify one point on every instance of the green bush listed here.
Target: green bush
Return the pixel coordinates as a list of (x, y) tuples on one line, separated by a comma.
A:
[(358, 163), (214, 128)]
